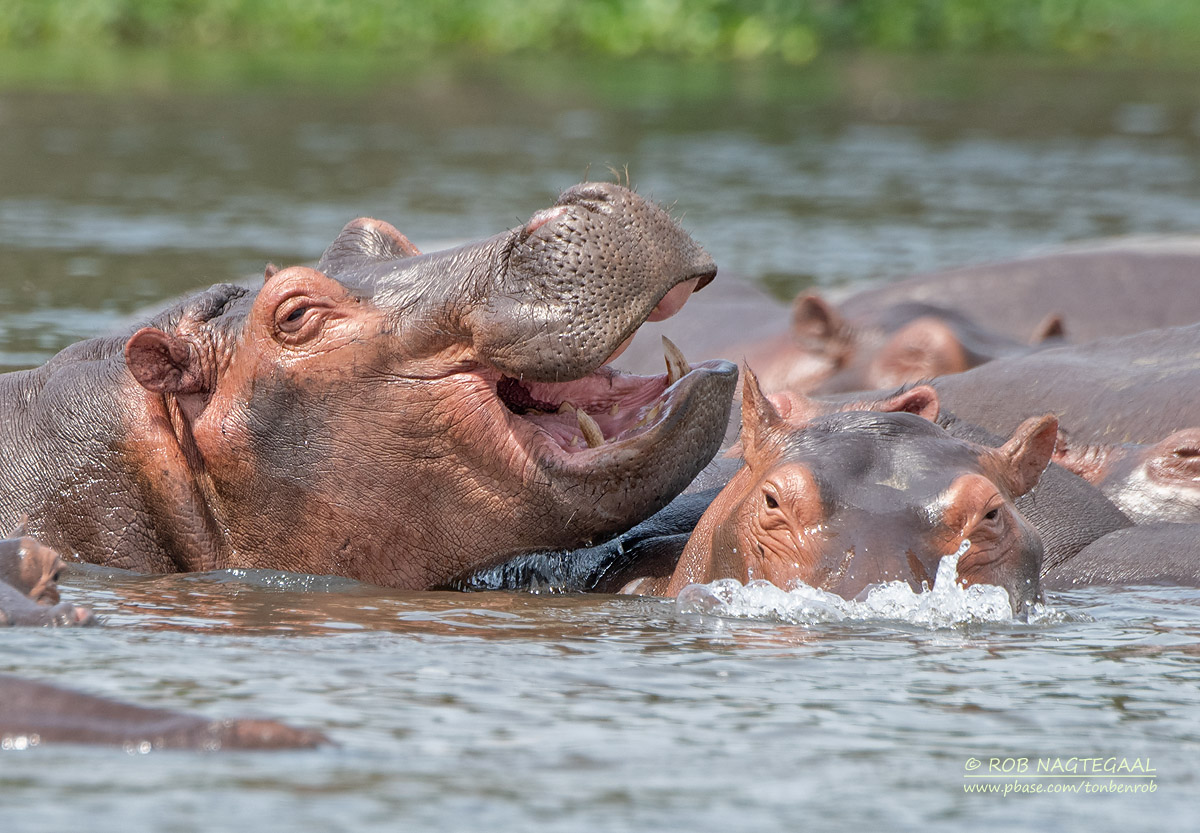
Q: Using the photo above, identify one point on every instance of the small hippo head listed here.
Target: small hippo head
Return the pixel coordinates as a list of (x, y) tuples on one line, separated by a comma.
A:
[(1149, 483), (30, 566), (852, 499), (828, 352), (401, 417)]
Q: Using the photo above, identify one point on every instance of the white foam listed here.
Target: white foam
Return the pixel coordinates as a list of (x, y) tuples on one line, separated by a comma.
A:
[(945, 605)]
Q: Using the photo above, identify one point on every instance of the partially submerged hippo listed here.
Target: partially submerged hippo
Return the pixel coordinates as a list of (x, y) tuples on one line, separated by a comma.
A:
[(1157, 553), (1149, 482), (34, 714), (1134, 389), (858, 498), (1067, 512), (830, 351), (29, 585), (948, 322), (389, 416)]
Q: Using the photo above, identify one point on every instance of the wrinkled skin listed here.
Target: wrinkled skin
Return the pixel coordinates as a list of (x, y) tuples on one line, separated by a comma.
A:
[(389, 416), (1159, 482), (947, 322), (859, 498), (42, 713), (29, 585)]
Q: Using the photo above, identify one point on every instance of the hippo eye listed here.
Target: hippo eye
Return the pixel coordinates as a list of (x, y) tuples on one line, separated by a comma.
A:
[(992, 515), (771, 502), (293, 321)]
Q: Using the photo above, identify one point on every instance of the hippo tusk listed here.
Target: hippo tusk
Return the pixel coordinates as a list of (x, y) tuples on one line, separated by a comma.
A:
[(677, 365), (591, 431)]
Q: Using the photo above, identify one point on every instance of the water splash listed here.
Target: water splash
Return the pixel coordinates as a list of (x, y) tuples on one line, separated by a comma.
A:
[(946, 605)]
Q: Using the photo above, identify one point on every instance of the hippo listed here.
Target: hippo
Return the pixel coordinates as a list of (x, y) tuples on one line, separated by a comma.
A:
[(389, 416), (857, 498), (828, 351), (947, 322), (1067, 512), (1154, 553), (1149, 482), (35, 713), (29, 573), (1132, 389)]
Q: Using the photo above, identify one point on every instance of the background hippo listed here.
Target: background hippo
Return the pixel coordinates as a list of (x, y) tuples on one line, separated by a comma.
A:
[(389, 416), (29, 585), (1151, 482), (948, 322), (859, 498), (40, 713), (34, 713), (1134, 389)]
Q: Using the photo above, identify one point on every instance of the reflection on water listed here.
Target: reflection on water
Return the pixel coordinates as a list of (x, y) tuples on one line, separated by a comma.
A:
[(514, 712)]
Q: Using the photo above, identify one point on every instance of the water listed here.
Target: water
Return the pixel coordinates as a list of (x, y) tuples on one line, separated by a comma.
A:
[(511, 712)]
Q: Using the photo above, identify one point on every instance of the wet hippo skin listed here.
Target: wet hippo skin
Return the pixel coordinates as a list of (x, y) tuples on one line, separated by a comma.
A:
[(389, 416)]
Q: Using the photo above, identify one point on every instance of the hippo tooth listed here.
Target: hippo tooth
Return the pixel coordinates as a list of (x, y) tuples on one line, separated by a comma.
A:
[(677, 365), (565, 407), (591, 431)]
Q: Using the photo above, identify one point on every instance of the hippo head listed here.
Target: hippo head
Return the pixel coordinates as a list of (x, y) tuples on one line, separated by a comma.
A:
[(855, 498), (826, 352), (30, 566), (1159, 482), (400, 417)]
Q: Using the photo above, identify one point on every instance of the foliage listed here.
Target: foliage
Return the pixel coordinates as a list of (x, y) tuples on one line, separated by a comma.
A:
[(792, 30)]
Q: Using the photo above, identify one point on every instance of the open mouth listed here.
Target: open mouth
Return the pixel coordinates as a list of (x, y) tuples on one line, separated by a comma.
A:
[(607, 406)]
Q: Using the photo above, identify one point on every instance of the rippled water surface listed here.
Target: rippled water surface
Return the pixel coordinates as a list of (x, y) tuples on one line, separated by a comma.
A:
[(512, 712)]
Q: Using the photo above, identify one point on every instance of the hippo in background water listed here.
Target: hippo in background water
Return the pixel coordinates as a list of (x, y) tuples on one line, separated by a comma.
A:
[(389, 416), (948, 322), (29, 573), (33, 713), (854, 499), (1149, 482)]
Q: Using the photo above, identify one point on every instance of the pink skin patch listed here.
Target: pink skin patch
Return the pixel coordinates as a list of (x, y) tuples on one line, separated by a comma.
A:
[(542, 217), (674, 300)]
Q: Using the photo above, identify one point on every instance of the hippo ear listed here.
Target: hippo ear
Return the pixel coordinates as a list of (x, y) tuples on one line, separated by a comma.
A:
[(365, 241), (817, 326), (921, 400), (164, 363), (1021, 460), (922, 349), (1051, 327), (761, 423), (21, 529)]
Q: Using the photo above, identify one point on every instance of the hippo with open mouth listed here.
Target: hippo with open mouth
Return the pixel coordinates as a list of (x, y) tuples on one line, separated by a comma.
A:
[(389, 416)]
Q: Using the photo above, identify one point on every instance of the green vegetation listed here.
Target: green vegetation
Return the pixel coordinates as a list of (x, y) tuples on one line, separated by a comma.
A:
[(796, 31)]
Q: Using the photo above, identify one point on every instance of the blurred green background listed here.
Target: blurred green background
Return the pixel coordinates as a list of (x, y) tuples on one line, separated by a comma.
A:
[(58, 40)]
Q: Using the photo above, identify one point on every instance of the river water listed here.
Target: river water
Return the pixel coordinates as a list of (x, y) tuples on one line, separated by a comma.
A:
[(517, 712)]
